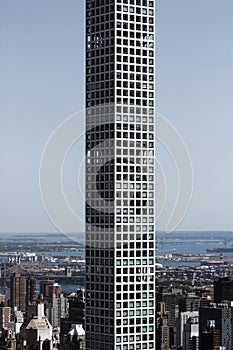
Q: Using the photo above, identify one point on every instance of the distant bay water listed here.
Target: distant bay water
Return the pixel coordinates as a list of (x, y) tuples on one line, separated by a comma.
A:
[(180, 242), (193, 242)]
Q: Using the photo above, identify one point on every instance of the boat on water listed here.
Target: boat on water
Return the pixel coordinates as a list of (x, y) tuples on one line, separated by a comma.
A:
[(220, 250)]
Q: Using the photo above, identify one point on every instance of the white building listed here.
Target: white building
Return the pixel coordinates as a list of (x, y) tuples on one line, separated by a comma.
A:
[(74, 339), (36, 332), (120, 146), (56, 308), (5, 313), (191, 334), (18, 321), (183, 318)]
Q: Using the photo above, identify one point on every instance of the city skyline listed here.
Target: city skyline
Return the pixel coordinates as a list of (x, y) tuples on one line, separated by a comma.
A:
[(42, 78)]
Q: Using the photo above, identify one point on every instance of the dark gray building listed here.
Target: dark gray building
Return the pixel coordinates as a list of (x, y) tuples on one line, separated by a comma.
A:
[(223, 289), (215, 323)]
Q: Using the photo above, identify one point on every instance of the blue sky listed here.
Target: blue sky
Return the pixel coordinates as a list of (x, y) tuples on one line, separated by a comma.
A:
[(42, 83)]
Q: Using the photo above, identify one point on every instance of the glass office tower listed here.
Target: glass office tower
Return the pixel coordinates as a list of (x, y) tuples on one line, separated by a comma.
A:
[(120, 174)]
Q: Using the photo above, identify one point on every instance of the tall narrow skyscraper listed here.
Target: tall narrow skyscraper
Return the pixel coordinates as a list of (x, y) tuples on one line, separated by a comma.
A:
[(18, 292), (120, 175), (30, 290)]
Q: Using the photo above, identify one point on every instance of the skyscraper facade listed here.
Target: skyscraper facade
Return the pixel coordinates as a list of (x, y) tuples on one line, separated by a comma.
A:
[(223, 289), (215, 326), (18, 292), (30, 290), (120, 146)]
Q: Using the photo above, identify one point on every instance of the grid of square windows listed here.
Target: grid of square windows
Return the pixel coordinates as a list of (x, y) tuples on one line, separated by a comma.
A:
[(120, 68)]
